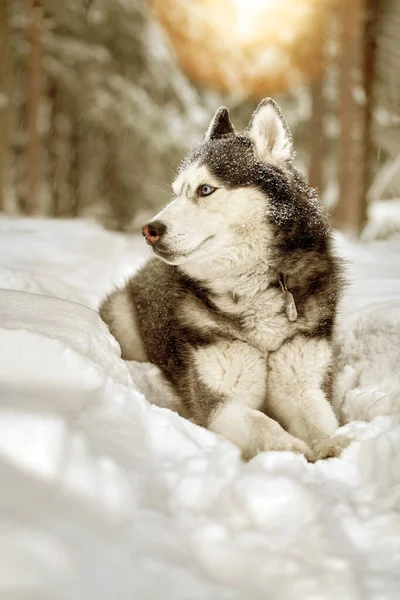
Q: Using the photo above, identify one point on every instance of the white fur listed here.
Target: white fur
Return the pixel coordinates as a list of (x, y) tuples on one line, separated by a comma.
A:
[(220, 238), (123, 326), (295, 396), (262, 316), (270, 134), (241, 242), (252, 431), (194, 314), (236, 372)]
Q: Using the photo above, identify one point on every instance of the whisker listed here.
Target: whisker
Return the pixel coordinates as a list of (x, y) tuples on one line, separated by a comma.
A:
[(173, 173), (169, 194)]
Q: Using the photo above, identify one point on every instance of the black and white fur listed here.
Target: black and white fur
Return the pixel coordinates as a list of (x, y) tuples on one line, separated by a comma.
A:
[(212, 310)]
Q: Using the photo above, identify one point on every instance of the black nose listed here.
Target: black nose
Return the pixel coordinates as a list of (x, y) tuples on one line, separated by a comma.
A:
[(153, 231)]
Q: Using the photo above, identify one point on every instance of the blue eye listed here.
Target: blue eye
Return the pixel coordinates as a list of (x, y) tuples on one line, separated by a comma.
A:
[(205, 190)]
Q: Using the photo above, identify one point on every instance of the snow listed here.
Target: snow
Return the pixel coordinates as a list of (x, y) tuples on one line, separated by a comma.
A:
[(383, 220), (106, 496)]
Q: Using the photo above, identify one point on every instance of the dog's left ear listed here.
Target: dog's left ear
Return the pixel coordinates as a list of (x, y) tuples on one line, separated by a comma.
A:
[(220, 125), (270, 133)]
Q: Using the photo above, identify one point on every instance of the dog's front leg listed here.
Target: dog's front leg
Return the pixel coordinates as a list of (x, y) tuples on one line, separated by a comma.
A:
[(227, 386), (296, 397)]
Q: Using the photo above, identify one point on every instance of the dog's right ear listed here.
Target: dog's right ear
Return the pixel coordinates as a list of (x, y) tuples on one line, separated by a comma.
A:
[(220, 125)]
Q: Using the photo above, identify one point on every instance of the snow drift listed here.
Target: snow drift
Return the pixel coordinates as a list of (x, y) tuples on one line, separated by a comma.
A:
[(105, 495)]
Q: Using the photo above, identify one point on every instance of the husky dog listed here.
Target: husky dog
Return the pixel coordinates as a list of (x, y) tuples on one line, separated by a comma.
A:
[(238, 306)]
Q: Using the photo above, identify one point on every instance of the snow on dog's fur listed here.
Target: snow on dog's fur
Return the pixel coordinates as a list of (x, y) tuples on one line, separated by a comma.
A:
[(238, 307)]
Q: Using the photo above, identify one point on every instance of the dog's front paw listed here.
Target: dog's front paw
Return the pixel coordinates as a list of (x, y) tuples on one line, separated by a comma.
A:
[(328, 448), (287, 443), (268, 436), (282, 443)]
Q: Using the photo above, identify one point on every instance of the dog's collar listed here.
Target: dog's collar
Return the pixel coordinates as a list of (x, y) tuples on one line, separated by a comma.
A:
[(291, 310)]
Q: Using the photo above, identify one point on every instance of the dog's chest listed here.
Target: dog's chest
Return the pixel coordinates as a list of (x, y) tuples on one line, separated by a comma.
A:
[(261, 318)]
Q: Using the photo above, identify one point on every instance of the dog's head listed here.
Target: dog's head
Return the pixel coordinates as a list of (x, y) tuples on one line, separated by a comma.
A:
[(224, 191)]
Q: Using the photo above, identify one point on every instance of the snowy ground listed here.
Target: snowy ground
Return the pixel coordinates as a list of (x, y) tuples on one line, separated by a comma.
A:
[(105, 496)]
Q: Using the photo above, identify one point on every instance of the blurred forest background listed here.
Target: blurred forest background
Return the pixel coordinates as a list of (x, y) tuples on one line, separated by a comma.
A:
[(100, 99)]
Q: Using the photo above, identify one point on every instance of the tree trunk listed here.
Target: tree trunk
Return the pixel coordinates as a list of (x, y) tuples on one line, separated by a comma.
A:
[(317, 142), (61, 155), (34, 88), (53, 150), (5, 99), (74, 174), (355, 103), (92, 163)]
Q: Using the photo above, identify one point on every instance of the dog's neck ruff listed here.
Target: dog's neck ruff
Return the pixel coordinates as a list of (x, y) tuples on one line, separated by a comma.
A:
[(227, 278)]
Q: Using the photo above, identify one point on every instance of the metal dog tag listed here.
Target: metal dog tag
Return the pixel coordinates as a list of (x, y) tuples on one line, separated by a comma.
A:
[(291, 310)]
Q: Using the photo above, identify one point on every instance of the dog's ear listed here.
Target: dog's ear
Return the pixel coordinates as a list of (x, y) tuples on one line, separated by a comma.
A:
[(270, 133), (220, 125)]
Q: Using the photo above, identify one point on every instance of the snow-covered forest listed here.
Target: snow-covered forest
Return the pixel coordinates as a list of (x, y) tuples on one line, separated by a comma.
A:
[(106, 491), (114, 112), (101, 98)]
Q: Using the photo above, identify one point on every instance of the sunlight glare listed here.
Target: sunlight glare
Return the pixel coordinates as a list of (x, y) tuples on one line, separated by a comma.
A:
[(244, 46)]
